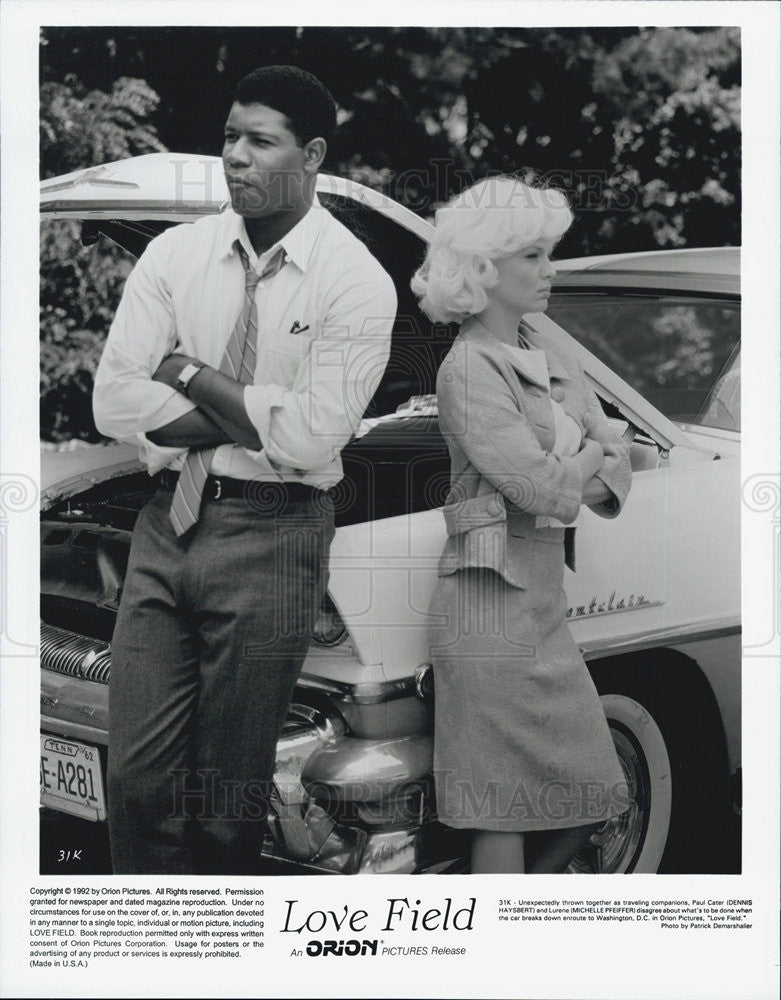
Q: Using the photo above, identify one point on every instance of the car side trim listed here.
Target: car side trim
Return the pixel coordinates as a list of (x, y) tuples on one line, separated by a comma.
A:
[(676, 636), (377, 692)]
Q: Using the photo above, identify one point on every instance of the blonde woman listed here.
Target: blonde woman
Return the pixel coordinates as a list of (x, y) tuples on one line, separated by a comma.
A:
[(523, 755)]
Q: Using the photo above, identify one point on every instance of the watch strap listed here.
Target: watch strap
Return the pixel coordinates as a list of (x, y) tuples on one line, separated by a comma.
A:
[(186, 375)]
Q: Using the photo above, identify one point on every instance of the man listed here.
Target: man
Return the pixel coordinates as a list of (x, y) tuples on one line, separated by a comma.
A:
[(243, 353)]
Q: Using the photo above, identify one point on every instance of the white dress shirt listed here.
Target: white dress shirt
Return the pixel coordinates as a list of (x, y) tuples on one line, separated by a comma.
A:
[(324, 332)]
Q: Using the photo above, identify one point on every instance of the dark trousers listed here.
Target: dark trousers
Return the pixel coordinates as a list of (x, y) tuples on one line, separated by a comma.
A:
[(210, 637)]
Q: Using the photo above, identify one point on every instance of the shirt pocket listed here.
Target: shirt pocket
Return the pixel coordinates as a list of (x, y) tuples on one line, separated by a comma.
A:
[(284, 357), (291, 342)]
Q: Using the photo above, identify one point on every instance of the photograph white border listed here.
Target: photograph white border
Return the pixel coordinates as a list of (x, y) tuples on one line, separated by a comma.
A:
[(562, 961)]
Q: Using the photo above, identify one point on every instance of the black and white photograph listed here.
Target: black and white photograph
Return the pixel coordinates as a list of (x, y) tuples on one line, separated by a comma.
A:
[(393, 519), (617, 231)]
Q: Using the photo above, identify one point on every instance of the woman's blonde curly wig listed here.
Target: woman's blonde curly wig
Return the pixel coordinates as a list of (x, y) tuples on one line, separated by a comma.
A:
[(495, 218)]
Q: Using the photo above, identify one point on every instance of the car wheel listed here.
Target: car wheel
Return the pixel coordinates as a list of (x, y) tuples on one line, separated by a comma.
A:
[(635, 840)]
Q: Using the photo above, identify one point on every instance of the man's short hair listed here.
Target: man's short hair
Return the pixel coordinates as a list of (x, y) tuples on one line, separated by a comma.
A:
[(308, 106)]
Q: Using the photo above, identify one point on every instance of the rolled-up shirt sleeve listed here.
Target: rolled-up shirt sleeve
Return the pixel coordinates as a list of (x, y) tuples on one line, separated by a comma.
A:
[(306, 426), (126, 402)]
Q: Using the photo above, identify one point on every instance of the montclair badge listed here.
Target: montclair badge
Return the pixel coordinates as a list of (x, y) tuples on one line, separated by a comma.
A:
[(297, 328)]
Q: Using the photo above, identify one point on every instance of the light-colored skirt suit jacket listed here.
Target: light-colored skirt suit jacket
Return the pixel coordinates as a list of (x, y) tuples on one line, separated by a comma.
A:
[(521, 741)]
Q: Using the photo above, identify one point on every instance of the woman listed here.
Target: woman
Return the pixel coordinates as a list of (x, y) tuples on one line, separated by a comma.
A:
[(523, 755)]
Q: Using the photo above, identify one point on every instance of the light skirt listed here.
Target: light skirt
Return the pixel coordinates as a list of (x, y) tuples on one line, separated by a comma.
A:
[(521, 740)]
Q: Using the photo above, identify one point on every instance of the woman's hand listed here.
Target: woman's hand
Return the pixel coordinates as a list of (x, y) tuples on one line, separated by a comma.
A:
[(568, 434), (590, 458), (595, 491)]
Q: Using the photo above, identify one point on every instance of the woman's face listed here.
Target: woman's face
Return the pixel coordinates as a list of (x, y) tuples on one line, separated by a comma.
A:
[(525, 279)]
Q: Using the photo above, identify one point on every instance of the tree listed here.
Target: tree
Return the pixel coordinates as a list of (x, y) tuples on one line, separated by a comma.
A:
[(81, 128), (673, 96), (639, 126), (80, 287)]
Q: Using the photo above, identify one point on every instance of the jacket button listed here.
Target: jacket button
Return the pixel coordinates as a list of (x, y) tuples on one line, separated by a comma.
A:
[(557, 393)]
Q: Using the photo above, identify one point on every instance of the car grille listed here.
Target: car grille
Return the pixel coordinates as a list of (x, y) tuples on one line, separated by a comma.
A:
[(74, 654)]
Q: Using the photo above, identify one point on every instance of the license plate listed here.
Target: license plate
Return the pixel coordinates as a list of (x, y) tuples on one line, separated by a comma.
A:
[(71, 780)]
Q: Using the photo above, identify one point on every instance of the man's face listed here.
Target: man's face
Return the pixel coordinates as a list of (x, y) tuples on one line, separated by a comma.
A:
[(264, 166)]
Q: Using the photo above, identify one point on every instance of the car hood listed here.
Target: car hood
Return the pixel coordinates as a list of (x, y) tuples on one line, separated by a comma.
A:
[(708, 270), (66, 473), (180, 187)]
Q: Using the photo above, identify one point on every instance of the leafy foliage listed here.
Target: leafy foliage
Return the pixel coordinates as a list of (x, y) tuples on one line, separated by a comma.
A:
[(640, 126), (84, 128), (80, 287), (79, 293)]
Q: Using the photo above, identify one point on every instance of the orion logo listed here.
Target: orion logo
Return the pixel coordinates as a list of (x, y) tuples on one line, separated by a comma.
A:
[(351, 947)]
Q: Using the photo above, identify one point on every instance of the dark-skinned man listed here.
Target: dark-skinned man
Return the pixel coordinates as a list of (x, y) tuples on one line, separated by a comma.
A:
[(241, 357)]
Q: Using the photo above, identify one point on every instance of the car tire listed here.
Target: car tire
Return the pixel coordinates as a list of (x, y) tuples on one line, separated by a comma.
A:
[(635, 840), (670, 689)]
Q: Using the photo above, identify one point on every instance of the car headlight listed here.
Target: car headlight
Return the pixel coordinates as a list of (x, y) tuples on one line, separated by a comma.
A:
[(329, 628)]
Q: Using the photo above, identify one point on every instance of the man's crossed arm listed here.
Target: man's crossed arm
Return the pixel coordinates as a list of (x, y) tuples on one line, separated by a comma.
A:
[(220, 417), (298, 423)]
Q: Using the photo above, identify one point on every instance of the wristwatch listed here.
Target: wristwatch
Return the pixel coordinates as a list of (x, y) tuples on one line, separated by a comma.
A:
[(187, 374)]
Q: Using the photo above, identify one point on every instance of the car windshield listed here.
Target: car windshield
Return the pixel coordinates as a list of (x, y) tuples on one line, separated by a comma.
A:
[(679, 352)]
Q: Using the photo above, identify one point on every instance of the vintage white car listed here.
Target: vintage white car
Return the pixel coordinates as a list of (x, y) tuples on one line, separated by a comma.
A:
[(655, 604)]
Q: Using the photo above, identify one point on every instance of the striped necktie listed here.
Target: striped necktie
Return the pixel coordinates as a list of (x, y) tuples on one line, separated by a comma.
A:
[(238, 362)]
